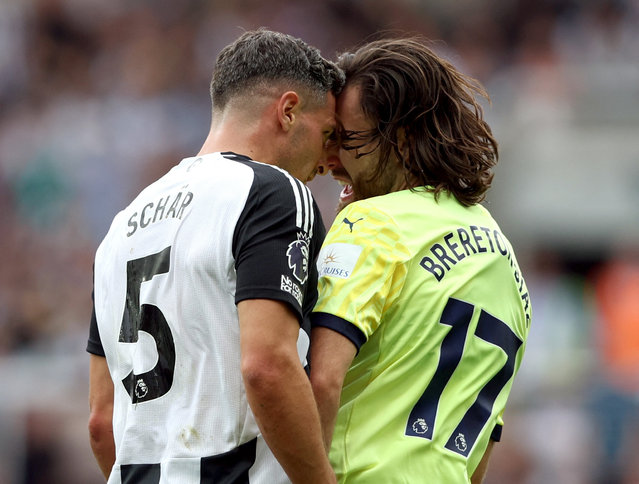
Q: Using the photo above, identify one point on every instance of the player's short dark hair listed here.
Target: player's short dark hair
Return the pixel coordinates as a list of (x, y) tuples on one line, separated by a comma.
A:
[(263, 57), (405, 85)]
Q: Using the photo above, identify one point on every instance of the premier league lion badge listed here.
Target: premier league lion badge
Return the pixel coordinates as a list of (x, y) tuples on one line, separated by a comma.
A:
[(297, 254)]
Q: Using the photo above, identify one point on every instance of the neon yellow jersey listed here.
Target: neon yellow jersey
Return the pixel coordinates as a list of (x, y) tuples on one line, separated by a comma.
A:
[(433, 294)]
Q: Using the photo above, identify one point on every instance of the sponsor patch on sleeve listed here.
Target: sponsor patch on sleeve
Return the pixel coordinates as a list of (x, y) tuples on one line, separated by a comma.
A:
[(338, 260)]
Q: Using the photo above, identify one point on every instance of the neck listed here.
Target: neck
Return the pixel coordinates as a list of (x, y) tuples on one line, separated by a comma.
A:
[(406, 183), (219, 142), (245, 135)]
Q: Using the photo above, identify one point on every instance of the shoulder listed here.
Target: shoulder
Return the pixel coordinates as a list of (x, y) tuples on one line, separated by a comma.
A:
[(272, 178), (275, 190), (370, 224), (372, 212)]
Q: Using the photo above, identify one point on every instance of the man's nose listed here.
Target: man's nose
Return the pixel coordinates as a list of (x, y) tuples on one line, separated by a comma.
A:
[(330, 159)]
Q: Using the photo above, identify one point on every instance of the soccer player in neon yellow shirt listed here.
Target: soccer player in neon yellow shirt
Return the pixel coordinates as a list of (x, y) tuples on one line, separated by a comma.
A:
[(423, 313)]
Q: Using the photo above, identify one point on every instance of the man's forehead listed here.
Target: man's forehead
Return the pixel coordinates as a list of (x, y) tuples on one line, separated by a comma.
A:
[(349, 108), (330, 115), (332, 108)]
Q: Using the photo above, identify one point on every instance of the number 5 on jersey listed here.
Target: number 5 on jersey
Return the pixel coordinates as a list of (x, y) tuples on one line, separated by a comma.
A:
[(148, 318)]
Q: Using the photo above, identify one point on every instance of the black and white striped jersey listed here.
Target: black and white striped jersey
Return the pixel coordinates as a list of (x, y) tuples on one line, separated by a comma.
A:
[(215, 230)]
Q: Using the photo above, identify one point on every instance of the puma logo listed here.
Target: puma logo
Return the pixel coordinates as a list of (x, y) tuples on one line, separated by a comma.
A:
[(350, 224)]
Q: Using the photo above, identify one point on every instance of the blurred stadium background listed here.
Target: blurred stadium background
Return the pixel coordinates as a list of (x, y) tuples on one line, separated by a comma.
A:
[(97, 98)]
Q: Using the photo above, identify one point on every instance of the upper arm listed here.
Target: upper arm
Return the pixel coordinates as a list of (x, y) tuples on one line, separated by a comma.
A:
[(101, 417), (331, 356), (268, 332), (100, 392)]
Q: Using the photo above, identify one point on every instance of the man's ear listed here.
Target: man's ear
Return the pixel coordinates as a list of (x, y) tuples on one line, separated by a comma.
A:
[(287, 109)]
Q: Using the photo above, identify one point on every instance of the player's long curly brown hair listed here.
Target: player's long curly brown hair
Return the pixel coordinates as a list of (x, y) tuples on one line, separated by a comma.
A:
[(408, 89)]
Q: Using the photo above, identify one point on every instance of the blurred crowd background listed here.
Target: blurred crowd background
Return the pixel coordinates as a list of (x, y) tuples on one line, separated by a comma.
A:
[(98, 98)]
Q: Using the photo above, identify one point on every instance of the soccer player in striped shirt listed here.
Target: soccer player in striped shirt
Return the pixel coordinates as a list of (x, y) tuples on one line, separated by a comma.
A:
[(204, 284), (423, 313)]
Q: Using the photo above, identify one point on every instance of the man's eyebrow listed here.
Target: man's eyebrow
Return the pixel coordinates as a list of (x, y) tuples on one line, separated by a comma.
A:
[(357, 135)]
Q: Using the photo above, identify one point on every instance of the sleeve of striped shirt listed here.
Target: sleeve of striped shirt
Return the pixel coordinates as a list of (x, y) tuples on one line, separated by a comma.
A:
[(272, 239)]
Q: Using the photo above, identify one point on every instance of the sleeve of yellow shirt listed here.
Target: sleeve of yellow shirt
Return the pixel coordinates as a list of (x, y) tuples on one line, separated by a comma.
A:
[(361, 267)]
